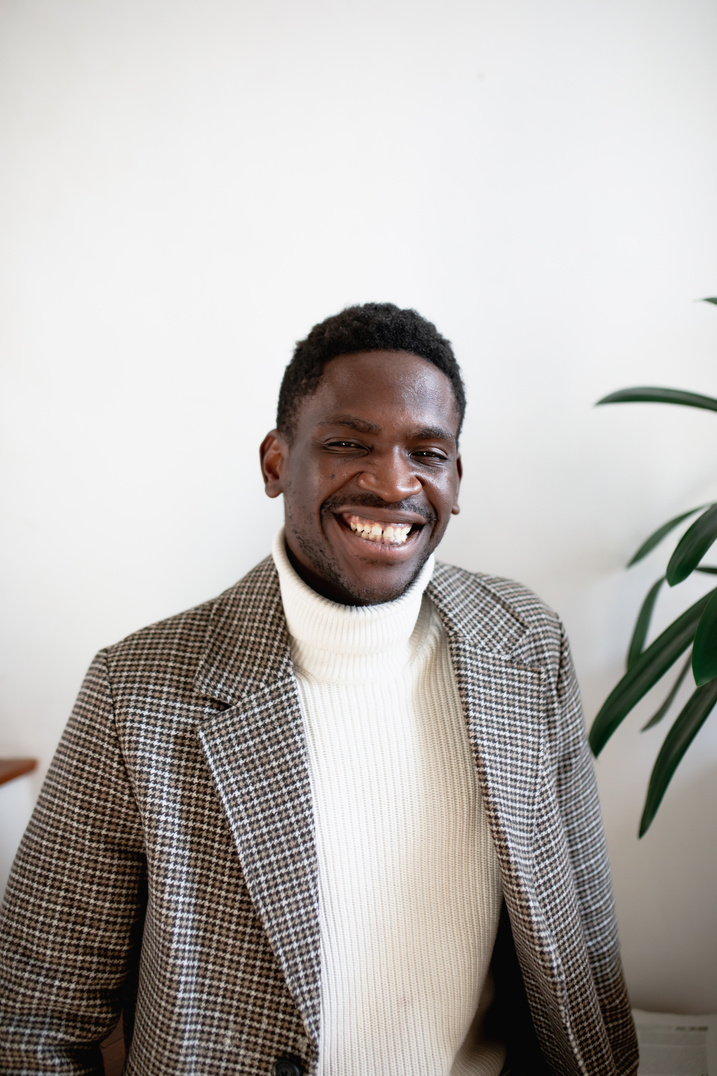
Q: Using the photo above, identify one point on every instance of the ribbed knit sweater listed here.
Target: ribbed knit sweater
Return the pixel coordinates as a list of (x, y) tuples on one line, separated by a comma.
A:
[(409, 884)]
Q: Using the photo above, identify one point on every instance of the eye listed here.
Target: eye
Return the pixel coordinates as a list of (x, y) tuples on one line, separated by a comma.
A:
[(343, 446), (430, 455)]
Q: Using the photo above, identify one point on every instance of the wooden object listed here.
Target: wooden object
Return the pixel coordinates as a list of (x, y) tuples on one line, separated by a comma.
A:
[(10, 768)]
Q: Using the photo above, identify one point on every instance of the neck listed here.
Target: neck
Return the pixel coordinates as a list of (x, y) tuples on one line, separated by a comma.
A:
[(359, 638)]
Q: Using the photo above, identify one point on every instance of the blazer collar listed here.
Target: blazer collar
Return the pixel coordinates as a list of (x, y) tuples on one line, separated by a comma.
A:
[(247, 644), (473, 612)]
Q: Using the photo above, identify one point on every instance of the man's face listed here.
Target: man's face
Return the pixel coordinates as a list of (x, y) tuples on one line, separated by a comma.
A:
[(371, 476)]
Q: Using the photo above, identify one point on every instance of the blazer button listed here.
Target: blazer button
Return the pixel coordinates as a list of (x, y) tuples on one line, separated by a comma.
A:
[(286, 1066)]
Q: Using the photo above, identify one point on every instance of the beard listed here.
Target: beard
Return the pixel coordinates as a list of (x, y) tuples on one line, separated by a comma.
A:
[(326, 576)]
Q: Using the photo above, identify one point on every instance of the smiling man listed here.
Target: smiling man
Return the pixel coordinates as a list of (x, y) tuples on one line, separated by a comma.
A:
[(369, 468), (341, 820)]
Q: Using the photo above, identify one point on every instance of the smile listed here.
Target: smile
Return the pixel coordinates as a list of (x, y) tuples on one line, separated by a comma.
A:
[(372, 530)]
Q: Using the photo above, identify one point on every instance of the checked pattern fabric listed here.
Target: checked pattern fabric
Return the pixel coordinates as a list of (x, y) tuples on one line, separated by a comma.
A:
[(169, 869)]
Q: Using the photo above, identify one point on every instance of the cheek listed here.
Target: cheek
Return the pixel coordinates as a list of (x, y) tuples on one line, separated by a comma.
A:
[(328, 479), (446, 498), (307, 494)]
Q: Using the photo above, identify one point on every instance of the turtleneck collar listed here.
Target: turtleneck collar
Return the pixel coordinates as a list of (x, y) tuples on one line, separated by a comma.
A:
[(333, 641)]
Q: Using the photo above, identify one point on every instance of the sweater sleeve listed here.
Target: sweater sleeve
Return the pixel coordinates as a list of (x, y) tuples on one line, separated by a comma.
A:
[(72, 917)]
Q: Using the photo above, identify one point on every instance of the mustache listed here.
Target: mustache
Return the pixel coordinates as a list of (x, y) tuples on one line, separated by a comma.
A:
[(371, 500)]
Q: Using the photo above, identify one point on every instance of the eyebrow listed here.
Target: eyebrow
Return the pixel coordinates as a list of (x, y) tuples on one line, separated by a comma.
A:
[(434, 433), (422, 433), (359, 424)]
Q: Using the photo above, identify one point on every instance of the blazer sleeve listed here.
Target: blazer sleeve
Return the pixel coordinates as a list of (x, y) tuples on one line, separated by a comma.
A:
[(581, 818), (72, 917)]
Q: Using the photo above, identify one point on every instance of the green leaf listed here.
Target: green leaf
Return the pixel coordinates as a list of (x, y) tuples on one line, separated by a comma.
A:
[(692, 546), (704, 653), (707, 569), (661, 532), (644, 674), (671, 695), (637, 643), (687, 724), (651, 394), (710, 301)]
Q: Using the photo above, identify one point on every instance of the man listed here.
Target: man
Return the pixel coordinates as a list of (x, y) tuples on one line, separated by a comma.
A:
[(341, 820)]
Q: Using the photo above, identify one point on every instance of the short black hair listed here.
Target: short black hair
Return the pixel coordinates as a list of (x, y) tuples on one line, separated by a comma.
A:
[(369, 327)]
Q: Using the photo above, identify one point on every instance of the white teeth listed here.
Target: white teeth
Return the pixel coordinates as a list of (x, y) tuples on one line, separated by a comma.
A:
[(395, 533)]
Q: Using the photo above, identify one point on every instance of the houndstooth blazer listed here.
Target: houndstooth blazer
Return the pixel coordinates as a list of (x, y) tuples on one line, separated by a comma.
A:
[(169, 869)]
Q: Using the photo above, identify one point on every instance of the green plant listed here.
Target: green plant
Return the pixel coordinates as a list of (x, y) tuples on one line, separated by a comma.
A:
[(696, 627)]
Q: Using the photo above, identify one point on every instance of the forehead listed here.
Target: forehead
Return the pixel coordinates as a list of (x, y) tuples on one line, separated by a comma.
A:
[(388, 386)]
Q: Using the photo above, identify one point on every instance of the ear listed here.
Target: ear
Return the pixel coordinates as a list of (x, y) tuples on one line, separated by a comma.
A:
[(459, 470), (273, 453)]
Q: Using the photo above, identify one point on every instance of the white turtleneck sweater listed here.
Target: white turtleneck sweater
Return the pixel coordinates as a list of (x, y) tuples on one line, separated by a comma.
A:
[(409, 885)]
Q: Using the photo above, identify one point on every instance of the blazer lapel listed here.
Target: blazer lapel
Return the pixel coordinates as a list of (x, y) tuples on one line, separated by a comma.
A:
[(503, 703), (256, 755), (502, 706)]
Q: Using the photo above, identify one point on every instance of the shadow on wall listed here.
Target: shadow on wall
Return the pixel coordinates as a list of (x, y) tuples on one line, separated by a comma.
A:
[(668, 932)]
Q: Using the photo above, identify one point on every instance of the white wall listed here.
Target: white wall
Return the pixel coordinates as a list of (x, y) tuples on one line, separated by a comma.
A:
[(186, 188)]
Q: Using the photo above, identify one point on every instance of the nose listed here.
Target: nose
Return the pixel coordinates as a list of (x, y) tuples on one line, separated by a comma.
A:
[(391, 476)]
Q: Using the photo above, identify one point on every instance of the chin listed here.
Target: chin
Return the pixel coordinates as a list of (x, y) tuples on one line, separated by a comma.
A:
[(377, 587), (351, 580)]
